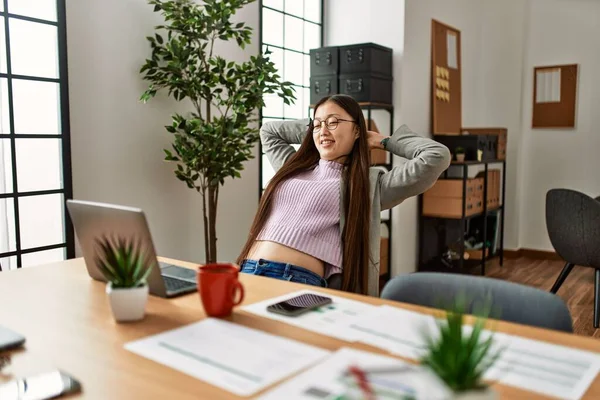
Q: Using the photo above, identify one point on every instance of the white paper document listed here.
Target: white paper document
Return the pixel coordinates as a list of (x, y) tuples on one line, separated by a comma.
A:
[(553, 370), (332, 319), (558, 371), (232, 357), (452, 50), (389, 379), (547, 85), (395, 330)]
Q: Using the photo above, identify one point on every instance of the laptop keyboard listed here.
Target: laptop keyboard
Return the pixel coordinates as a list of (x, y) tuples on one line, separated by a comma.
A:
[(173, 284)]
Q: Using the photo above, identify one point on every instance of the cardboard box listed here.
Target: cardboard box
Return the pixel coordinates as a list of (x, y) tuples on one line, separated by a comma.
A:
[(384, 258), (454, 188), (451, 207), (378, 156)]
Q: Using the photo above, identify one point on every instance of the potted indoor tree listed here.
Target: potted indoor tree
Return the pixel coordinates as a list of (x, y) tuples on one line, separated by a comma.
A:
[(460, 154), (125, 267), (214, 140), (460, 355)]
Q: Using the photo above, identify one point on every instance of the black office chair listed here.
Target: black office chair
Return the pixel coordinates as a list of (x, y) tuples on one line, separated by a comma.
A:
[(573, 224), (511, 302)]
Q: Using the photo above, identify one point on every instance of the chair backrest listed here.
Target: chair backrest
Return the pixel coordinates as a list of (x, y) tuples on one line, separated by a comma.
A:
[(573, 225), (510, 301)]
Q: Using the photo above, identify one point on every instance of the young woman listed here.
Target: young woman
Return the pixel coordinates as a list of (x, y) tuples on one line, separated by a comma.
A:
[(319, 217)]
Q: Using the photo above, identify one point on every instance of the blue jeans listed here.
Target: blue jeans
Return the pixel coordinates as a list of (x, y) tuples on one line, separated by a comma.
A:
[(283, 271)]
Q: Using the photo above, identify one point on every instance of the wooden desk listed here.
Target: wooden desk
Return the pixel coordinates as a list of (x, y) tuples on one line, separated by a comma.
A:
[(68, 324)]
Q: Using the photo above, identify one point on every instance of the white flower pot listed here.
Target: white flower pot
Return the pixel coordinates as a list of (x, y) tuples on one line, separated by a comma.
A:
[(483, 394), (127, 304)]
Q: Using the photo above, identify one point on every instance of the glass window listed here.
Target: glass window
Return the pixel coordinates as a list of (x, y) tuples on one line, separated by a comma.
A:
[(41, 220), (295, 27), (3, 64), (273, 27), (8, 263), (33, 48), (32, 214), (43, 257), (8, 237), (38, 164), (42, 9), (36, 107), (6, 178)]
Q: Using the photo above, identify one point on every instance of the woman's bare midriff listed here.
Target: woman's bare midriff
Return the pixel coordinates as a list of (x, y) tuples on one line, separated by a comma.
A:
[(273, 251)]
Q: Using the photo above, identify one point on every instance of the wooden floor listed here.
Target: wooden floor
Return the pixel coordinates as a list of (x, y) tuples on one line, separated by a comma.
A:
[(577, 290)]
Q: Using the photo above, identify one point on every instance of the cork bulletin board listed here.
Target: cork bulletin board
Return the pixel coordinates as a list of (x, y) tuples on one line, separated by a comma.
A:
[(554, 96), (446, 96)]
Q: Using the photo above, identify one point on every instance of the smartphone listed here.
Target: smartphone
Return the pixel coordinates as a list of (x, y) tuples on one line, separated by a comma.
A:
[(299, 305), (47, 385)]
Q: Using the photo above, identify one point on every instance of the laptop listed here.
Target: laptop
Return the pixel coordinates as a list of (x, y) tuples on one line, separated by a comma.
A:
[(93, 220)]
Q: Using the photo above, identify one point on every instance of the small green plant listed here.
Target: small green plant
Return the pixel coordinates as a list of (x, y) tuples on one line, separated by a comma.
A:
[(122, 262), (458, 358), (459, 150)]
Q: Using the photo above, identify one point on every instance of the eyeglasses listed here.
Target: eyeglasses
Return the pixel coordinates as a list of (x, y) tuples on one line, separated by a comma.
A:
[(331, 123)]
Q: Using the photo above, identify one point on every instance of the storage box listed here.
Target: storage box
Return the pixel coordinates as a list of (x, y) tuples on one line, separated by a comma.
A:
[(500, 132), (493, 184), (454, 188), (322, 86), (384, 256), (477, 147), (325, 61), (366, 87), (369, 58), (451, 207)]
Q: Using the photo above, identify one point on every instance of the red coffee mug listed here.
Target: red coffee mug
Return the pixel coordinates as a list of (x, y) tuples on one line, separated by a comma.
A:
[(218, 285)]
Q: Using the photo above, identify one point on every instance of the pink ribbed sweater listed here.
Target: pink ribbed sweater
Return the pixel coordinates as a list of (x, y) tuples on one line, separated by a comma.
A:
[(305, 214)]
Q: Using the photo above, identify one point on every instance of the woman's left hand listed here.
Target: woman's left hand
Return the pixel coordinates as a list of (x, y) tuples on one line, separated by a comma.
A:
[(374, 139)]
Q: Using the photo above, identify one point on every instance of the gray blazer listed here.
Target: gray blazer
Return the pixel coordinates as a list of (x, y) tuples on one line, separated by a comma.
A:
[(427, 159)]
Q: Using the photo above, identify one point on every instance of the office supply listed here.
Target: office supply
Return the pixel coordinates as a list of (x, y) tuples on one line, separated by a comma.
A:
[(446, 80), (554, 96), (545, 368), (60, 328), (235, 358), (220, 288), (332, 319), (331, 380), (525, 363), (395, 330), (94, 220), (10, 339), (299, 305), (43, 386)]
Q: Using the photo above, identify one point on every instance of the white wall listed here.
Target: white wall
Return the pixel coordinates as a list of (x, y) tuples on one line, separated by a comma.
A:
[(117, 142), (560, 32), (405, 26)]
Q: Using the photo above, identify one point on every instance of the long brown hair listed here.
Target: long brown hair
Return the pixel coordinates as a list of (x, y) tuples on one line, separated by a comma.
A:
[(357, 207)]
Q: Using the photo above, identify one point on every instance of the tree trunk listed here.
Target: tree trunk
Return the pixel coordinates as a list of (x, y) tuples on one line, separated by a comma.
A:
[(213, 194), (206, 238)]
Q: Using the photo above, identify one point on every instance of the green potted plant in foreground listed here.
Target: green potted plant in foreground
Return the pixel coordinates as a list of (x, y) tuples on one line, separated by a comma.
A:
[(459, 152), (460, 357), (126, 268)]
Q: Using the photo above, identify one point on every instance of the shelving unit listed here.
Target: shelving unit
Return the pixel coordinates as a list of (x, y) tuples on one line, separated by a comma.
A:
[(447, 226), (386, 218)]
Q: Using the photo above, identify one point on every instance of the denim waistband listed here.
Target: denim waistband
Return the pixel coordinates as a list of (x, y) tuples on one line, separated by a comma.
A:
[(281, 270)]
